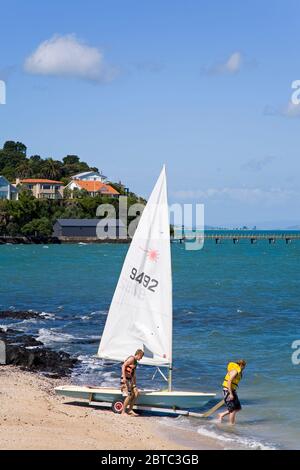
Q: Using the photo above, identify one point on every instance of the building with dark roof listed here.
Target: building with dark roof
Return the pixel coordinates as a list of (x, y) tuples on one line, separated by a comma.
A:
[(90, 228)]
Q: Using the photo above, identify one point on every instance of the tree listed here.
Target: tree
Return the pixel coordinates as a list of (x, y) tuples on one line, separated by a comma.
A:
[(51, 169), (118, 187), (67, 193), (4, 216), (38, 228), (25, 209), (11, 156), (79, 193), (12, 229), (16, 147), (24, 170), (35, 159), (70, 169), (71, 160)]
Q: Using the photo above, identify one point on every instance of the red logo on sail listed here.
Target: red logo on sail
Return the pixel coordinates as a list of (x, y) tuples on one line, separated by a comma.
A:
[(152, 255)]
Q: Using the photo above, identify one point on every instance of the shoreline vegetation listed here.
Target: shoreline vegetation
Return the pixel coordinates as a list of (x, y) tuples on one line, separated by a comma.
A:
[(32, 217)]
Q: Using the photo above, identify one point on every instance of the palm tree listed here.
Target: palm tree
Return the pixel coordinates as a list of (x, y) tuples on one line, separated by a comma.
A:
[(51, 169), (24, 170)]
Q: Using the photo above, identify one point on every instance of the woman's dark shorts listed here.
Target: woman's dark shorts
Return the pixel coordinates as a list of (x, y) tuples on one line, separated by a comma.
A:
[(232, 405)]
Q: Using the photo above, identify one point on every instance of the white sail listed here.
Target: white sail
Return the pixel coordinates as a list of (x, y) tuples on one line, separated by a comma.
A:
[(140, 315)]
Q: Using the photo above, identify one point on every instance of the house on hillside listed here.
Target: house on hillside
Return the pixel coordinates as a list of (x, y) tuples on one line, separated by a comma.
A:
[(7, 190), (43, 188), (82, 228), (94, 188), (90, 176)]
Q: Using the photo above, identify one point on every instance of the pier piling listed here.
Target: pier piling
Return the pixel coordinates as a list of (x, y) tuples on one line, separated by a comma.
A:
[(236, 238)]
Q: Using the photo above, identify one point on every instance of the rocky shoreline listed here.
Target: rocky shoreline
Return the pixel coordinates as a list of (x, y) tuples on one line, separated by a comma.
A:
[(28, 353), (18, 240)]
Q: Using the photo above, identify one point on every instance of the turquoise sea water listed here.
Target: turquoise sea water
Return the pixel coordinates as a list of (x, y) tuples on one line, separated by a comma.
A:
[(230, 301)]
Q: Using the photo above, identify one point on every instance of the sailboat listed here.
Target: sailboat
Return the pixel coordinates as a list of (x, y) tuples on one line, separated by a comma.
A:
[(141, 314)]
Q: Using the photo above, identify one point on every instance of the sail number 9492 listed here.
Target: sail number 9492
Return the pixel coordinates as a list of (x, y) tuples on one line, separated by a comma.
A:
[(143, 279)]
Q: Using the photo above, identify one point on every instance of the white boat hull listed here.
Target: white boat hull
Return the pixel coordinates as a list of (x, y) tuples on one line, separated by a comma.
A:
[(159, 399)]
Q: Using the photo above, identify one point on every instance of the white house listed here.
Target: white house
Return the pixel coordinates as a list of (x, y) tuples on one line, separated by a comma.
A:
[(90, 176), (93, 187)]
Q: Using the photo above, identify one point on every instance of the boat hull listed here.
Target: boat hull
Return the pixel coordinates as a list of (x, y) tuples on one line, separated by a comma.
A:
[(158, 399)]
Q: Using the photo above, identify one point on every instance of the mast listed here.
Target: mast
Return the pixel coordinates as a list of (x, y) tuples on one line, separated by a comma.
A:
[(170, 378), (170, 374)]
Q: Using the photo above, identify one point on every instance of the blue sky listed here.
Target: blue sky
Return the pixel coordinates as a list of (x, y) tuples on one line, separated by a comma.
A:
[(129, 85)]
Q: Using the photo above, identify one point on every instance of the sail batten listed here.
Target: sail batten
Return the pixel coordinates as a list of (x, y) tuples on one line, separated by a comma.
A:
[(140, 315)]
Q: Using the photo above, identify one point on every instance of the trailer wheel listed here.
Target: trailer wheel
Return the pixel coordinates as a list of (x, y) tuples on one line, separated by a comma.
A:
[(117, 406)]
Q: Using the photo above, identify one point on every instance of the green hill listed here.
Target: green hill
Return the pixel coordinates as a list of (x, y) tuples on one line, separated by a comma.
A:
[(15, 163), (31, 216)]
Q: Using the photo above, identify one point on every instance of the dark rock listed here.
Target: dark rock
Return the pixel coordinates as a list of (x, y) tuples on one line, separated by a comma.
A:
[(28, 240), (25, 351), (19, 314)]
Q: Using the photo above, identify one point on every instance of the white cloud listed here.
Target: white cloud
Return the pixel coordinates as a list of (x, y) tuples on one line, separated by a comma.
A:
[(267, 197), (66, 56), (231, 66)]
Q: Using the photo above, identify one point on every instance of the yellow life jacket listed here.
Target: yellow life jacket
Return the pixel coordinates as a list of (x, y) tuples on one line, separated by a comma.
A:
[(235, 382)]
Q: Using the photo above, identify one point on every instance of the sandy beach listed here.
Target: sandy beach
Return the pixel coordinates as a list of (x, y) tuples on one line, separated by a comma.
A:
[(33, 417)]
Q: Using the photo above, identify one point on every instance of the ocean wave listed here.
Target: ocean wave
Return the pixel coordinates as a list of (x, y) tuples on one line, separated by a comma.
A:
[(92, 370), (95, 363), (98, 312), (50, 336), (47, 315), (237, 441), (229, 441), (22, 325), (90, 316), (26, 322)]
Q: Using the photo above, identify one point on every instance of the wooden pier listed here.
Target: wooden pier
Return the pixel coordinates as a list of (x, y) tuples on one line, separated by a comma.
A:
[(271, 238)]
